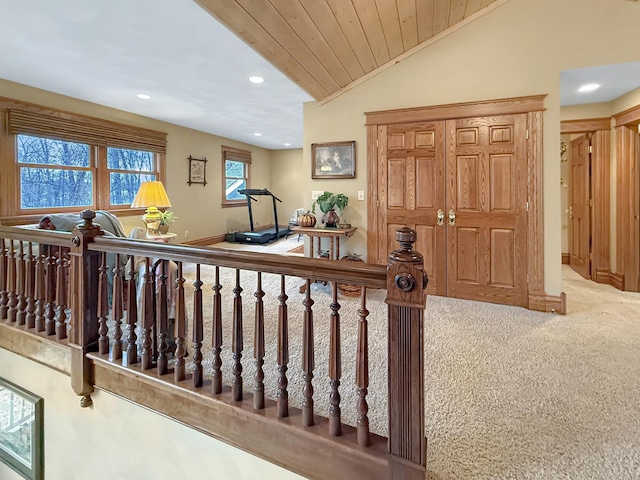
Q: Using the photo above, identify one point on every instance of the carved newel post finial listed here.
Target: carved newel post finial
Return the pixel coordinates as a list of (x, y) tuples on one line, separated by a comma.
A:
[(406, 237)]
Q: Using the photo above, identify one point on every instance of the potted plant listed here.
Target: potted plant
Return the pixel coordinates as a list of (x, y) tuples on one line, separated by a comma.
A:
[(168, 218), (328, 202)]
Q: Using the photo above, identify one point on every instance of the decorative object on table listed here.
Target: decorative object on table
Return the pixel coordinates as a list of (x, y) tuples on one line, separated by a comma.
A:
[(328, 202), (293, 221), (152, 196), (21, 430), (197, 171), (307, 220), (168, 219), (346, 289), (333, 160)]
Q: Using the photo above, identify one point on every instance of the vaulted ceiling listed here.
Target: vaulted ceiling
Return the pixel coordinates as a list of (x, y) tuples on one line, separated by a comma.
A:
[(326, 46)]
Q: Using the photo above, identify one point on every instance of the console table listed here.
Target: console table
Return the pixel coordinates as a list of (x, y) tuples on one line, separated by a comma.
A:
[(334, 235)]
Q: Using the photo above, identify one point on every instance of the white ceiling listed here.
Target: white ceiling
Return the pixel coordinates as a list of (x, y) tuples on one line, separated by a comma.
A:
[(614, 80), (107, 51), (194, 68)]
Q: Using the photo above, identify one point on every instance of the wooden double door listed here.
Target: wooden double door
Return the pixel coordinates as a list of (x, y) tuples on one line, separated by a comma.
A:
[(462, 185)]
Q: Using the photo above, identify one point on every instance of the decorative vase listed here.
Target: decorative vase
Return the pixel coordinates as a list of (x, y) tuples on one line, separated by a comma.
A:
[(330, 219), (163, 229)]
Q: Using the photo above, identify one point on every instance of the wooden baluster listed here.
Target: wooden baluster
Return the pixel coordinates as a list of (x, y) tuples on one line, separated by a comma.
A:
[(236, 342), (61, 300), (117, 307), (147, 315), (406, 281), (308, 358), (180, 327), (335, 364), (20, 285), (11, 284), (40, 288), (30, 317), (216, 380), (4, 294), (117, 304), (103, 305), (198, 329), (258, 347), (362, 373), (163, 319), (50, 294), (131, 354), (283, 351)]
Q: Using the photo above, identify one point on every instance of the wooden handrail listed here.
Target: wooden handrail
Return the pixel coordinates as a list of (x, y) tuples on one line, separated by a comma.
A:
[(355, 273), (45, 237)]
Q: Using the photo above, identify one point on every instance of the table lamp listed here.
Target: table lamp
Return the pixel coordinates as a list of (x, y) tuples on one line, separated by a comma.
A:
[(151, 195)]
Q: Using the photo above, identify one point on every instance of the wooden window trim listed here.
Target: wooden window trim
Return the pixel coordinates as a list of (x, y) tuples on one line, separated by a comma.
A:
[(102, 133), (237, 155)]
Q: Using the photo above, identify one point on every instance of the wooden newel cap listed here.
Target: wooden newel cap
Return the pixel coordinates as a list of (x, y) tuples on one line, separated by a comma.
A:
[(406, 237)]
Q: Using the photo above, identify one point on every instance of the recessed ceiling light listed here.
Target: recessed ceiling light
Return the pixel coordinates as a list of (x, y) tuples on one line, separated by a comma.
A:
[(258, 134), (256, 79), (589, 87), (143, 96), (287, 144)]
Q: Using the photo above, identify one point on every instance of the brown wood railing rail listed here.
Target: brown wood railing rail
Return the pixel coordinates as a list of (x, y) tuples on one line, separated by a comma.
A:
[(117, 299)]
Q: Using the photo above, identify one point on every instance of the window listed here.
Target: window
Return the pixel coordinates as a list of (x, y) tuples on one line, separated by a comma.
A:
[(127, 170), (236, 165), (55, 161), (54, 173)]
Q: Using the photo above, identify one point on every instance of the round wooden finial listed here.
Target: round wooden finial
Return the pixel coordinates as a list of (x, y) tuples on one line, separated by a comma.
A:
[(406, 237)]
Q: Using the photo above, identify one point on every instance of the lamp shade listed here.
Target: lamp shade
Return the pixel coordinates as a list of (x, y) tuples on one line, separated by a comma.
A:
[(151, 194)]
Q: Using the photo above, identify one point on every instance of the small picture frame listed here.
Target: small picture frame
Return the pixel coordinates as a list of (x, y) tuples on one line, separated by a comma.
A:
[(333, 160), (21, 430), (197, 171)]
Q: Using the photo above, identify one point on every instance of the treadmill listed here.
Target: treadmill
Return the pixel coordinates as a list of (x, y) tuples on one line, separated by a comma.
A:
[(261, 236)]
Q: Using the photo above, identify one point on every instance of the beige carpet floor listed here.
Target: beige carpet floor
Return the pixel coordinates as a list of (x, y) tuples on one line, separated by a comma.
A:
[(510, 393)]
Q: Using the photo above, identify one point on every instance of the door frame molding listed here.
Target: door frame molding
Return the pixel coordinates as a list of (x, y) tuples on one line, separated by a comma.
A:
[(600, 131), (627, 199), (533, 106)]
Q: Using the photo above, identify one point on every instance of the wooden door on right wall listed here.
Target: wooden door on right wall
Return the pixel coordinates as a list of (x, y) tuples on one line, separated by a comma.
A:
[(486, 192), (579, 215)]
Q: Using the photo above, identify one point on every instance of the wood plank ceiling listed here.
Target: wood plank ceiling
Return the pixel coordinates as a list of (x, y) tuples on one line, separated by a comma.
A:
[(326, 46)]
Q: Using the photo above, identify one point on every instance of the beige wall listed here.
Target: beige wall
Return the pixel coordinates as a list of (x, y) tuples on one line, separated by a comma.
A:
[(517, 49), (197, 207), (117, 440)]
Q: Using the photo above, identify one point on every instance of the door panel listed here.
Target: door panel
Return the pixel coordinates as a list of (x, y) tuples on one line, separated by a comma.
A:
[(411, 183), (486, 190), (579, 215)]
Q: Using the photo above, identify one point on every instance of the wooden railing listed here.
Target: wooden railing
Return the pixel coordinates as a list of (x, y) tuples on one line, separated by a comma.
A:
[(84, 285)]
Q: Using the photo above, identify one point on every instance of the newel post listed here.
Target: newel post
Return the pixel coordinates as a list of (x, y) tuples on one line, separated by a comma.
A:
[(83, 334), (406, 281)]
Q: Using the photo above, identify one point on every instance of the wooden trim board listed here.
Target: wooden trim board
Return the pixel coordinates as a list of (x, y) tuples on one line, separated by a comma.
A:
[(541, 302), (565, 259), (584, 126), (616, 280)]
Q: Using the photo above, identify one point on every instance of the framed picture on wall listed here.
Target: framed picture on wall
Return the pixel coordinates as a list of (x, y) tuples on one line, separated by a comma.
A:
[(333, 160), (197, 170), (21, 430)]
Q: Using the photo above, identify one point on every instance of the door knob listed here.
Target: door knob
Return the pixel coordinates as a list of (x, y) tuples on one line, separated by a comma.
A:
[(570, 211), (452, 218), (440, 217)]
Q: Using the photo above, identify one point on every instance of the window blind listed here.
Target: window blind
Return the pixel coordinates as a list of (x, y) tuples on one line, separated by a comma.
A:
[(82, 129), (230, 153)]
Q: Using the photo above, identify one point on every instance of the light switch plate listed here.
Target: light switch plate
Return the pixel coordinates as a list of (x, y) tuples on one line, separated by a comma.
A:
[(315, 194), (360, 194)]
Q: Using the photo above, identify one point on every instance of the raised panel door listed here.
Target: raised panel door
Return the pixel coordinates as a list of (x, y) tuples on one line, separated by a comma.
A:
[(411, 191), (486, 209), (579, 215)]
